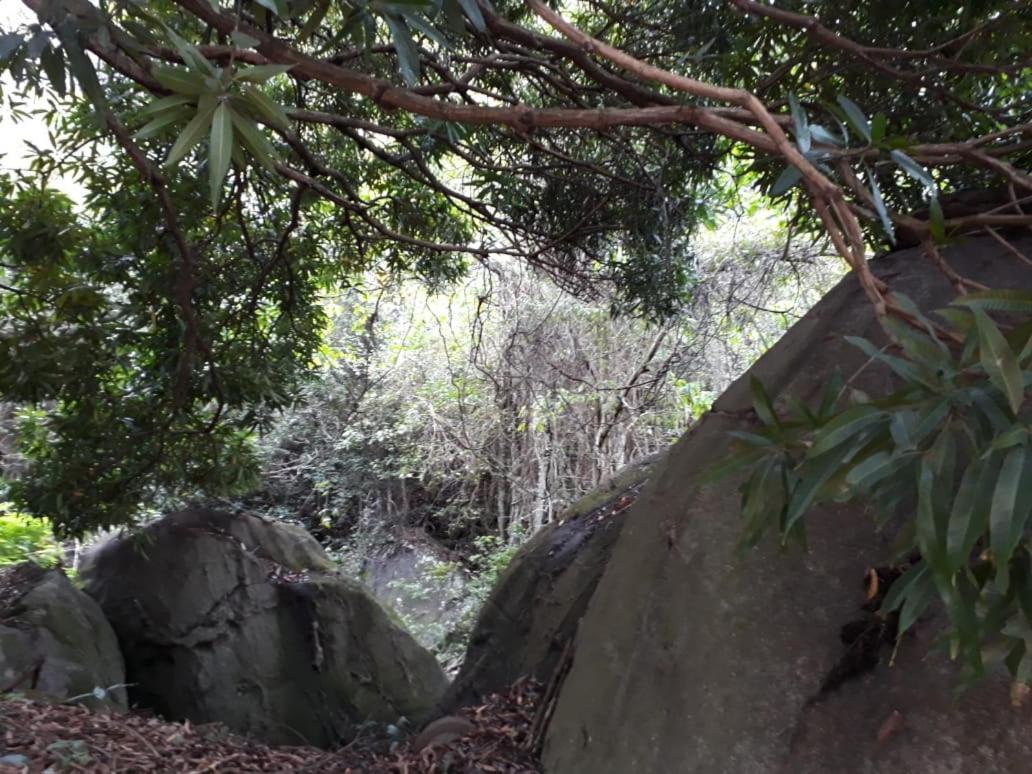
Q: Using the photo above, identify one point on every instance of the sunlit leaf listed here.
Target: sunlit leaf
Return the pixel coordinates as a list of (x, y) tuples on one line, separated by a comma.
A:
[(915, 170), (220, 150), (190, 136)]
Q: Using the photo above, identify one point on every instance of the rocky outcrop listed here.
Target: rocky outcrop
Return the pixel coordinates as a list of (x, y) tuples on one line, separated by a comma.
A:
[(243, 621), (55, 641), (533, 610), (694, 659)]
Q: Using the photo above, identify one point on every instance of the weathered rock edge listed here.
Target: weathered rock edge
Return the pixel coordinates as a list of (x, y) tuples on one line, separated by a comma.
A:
[(534, 609)]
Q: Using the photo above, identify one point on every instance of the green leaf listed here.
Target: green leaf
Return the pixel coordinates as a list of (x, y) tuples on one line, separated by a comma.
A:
[(872, 470), (846, 426), (81, 66), (855, 116), (751, 438), (180, 80), (408, 54), (732, 464), (314, 19), (9, 43), (903, 368), (166, 120), (261, 73), (898, 592), (265, 109), (761, 403), (243, 40), (220, 150), (190, 136), (813, 475), (1018, 301), (254, 140), (1008, 515), (878, 124), (918, 597), (969, 516), (931, 537), (923, 349), (915, 170), (472, 10), (276, 6), (999, 360), (819, 134), (157, 106), (801, 125), (788, 178), (53, 63), (762, 500), (936, 221), (879, 205)]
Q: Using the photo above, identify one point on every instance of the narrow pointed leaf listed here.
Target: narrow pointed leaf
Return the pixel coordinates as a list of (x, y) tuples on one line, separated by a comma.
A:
[(761, 403), (254, 140), (190, 136), (166, 103), (969, 517), (915, 170), (846, 426), (265, 109), (786, 180), (405, 47), (180, 80), (856, 118), (801, 125), (166, 120), (474, 14), (999, 360), (220, 150), (1009, 513), (879, 205), (261, 73)]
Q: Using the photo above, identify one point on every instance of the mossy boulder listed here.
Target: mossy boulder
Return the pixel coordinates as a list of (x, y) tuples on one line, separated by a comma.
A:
[(244, 621), (55, 641)]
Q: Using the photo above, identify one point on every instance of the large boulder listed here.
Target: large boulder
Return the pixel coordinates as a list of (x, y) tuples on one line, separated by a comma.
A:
[(235, 619), (692, 659), (55, 641), (533, 610)]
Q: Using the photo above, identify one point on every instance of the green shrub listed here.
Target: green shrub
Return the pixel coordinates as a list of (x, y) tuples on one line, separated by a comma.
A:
[(25, 537)]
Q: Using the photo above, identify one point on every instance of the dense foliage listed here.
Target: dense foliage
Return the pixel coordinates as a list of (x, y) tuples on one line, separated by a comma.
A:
[(240, 160), (487, 409)]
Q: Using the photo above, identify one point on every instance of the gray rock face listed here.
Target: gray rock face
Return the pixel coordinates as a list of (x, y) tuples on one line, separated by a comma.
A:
[(692, 660), (242, 621), (55, 641), (397, 575), (535, 607)]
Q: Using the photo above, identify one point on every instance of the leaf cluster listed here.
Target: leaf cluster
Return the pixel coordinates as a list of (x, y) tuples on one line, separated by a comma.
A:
[(945, 459)]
